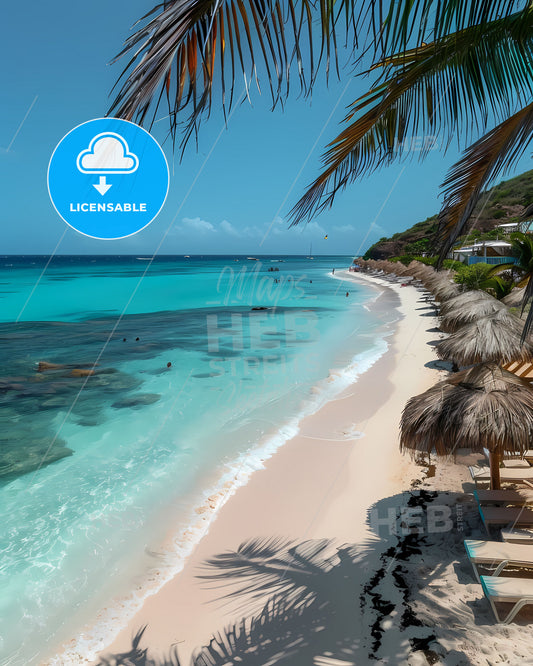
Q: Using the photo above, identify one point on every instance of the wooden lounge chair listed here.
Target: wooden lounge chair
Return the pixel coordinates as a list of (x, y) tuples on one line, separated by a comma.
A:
[(507, 475), (497, 555), (514, 516), (518, 536), (517, 591), (503, 497)]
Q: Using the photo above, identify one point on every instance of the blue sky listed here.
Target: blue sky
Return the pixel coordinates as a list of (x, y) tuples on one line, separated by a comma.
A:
[(232, 196)]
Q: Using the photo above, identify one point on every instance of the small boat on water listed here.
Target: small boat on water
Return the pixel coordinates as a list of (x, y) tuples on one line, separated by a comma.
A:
[(252, 258)]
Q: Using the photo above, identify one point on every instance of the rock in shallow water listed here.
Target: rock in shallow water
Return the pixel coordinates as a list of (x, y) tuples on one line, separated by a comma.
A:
[(138, 400), (81, 372), (17, 458)]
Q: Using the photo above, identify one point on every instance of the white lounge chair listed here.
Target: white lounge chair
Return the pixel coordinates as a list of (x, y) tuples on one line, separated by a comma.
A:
[(497, 555), (510, 462), (517, 591), (507, 475)]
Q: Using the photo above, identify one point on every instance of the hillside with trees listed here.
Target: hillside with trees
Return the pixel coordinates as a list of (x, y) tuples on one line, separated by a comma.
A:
[(506, 203)]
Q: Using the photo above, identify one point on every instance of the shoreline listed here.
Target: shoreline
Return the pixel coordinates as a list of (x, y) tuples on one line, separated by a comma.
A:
[(297, 510), (307, 450), (174, 548)]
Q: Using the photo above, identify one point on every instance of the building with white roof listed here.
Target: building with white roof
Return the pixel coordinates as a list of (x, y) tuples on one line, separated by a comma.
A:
[(488, 252)]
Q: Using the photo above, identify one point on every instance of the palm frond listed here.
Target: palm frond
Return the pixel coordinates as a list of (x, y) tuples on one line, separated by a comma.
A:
[(277, 629), (528, 299), (396, 24), (183, 47), (138, 656), (500, 268), (427, 92), (274, 566), (491, 156)]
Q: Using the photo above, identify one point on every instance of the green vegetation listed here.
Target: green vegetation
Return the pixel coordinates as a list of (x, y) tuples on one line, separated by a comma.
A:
[(406, 259), (452, 265), (480, 276), (473, 277), (497, 280), (475, 236), (522, 270), (415, 241)]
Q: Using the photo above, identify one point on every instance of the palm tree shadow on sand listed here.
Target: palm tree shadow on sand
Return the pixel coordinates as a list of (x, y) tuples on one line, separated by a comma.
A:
[(327, 603)]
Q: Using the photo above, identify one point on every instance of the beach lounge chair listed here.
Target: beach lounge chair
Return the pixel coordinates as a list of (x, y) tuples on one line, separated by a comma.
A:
[(517, 591), (507, 475), (497, 555), (503, 497), (503, 515), (515, 516), (515, 535), (510, 462), (515, 463)]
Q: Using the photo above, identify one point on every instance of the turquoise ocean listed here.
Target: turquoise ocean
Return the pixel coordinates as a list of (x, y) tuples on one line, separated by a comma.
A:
[(172, 381)]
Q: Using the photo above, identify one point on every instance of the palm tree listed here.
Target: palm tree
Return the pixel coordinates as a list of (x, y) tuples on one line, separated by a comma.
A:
[(523, 251), (443, 68)]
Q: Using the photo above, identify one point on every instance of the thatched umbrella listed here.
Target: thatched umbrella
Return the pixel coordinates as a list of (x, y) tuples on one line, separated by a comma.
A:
[(514, 299), (438, 277), (482, 407), (465, 299), (398, 268), (445, 290), (420, 271), (493, 338), (452, 321)]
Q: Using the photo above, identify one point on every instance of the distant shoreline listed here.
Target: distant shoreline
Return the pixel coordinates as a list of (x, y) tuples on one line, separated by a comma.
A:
[(162, 254)]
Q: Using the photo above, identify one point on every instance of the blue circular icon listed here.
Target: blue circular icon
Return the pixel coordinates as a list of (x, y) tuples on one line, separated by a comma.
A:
[(108, 178)]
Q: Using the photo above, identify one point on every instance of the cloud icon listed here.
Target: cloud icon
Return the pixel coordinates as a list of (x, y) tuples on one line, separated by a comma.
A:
[(107, 153)]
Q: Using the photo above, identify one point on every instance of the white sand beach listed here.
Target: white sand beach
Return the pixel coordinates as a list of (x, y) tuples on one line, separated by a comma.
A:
[(317, 523)]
